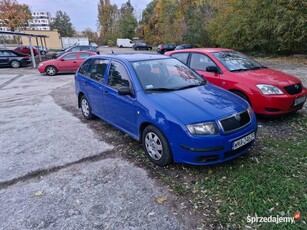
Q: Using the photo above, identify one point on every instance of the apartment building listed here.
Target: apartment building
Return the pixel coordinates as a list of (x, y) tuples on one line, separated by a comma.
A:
[(41, 20), (3, 28)]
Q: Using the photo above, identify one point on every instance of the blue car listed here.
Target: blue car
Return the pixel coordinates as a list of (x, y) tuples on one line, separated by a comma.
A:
[(176, 114)]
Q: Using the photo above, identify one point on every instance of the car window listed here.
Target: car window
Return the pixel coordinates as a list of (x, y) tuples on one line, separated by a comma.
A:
[(70, 57), (84, 55), (6, 53), (236, 61), (118, 76), (165, 74), (183, 57), (84, 48), (98, 69), (200, 61), (84, 66), (75, 49)]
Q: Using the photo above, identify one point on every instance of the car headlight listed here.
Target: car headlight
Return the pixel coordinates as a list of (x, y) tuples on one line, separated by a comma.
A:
[(40, 64), (207, 128), (269, 89)]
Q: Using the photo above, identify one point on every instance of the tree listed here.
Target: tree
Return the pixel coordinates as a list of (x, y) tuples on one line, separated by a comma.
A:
[(63, 25), (14, 15), (92, 36), (196, 31), (264, 26), (108, 21), (127, 21)]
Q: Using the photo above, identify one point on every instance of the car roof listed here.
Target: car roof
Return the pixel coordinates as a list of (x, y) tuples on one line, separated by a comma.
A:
[(207, 50), (134, 56)]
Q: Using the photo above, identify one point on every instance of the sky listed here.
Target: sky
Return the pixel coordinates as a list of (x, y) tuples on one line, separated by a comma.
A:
[(83, 13)]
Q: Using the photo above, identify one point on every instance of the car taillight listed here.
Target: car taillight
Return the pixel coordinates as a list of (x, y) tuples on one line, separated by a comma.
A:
[(26, 57)]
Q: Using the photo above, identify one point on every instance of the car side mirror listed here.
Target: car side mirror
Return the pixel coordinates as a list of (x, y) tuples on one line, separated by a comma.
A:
[(62, 59), (212, 69), (125, 91)]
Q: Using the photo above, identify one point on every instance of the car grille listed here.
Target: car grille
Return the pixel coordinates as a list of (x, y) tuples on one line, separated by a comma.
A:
[(294, 89), (235, 122)]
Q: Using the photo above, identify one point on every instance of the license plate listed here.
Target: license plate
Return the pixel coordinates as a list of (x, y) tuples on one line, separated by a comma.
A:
[(299, 100), (243, 141)]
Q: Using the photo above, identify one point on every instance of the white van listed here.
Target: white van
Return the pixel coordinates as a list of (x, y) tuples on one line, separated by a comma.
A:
[(124, 42)]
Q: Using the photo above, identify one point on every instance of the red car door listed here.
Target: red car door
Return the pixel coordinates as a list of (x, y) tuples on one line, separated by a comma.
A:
[(81, 57), (200, 62), (68, 62)]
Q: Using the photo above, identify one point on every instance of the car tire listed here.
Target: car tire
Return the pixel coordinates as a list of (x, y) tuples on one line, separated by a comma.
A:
[(156, 146), (15, 64), (121, 46), (51, 70), (86, 108), (242, 95)]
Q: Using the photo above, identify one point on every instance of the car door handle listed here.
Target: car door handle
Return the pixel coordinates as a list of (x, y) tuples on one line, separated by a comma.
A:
[(74, 62)]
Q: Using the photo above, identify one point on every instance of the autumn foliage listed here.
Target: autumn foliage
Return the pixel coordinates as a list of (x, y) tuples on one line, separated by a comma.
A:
[(14, 15), (264, 26)]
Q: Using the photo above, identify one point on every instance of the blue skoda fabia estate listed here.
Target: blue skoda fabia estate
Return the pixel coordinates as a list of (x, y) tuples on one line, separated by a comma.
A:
[(176, 114)]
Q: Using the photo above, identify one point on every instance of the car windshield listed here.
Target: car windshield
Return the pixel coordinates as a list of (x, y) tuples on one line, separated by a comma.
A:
[(235, 61), (166, 75)]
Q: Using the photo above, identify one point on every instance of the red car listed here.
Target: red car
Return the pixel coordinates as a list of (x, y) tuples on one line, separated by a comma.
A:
[(270, 92), (68, 62), (26, 50)]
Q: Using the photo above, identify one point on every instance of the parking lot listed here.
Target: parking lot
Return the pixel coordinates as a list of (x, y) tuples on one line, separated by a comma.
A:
[(58, 172)]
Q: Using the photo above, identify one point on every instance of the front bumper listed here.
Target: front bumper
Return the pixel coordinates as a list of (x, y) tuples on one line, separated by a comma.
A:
[(278, 104), (207, 150)]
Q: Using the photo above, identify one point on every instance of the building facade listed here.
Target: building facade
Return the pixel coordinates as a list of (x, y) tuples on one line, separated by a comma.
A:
[(41, 20)]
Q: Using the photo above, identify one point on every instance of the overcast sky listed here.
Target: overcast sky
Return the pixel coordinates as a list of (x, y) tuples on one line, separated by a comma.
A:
[(83, 13)]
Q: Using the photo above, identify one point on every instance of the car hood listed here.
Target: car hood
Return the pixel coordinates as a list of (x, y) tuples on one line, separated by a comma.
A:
[(270, 76), (48, 62), (199, 104)]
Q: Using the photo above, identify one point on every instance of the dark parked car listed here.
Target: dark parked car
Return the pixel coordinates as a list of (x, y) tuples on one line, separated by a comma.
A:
[(141, 46), (176, 114), (42, 50), (26, 50), (13, 59), (87, 48), (162, 48), (185, 46)]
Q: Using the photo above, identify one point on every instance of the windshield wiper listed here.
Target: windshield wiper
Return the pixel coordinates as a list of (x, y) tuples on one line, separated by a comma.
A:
[(239, 70), (258, 67), (160, 89), (187, 87), (192, 85)]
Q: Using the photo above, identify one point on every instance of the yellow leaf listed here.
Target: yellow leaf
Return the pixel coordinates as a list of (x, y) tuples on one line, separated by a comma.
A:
[(160, 199)]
